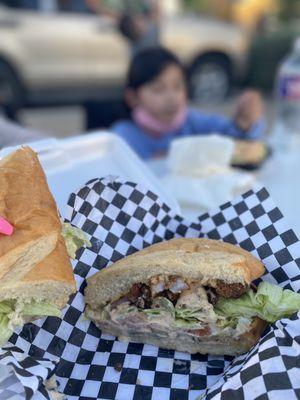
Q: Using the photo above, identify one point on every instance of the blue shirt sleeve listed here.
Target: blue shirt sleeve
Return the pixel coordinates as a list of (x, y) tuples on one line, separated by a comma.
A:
[(120, 128), (134, 137), (215, 123), (126, 131)]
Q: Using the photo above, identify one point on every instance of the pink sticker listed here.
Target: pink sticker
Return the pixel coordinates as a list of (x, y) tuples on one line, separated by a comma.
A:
[(5, 227)]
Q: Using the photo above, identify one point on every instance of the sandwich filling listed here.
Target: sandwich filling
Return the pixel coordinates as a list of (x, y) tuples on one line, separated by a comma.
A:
[(14, 313), (171, 305), (75, 238)]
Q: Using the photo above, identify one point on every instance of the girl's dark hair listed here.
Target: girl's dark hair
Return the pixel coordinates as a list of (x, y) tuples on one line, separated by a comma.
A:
[(148, 64)]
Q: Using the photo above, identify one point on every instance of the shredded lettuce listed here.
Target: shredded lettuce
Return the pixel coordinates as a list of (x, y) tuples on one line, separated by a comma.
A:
[(74, 239), (12, 313), (6, 306), (189, 318), (35, 308), (161, 306), (187, 324), (270, 303), (196, 313), (229, 322), (162, 313), (5, 331)]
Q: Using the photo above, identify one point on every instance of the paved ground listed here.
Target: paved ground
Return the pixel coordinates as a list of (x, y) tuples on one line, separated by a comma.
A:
[(68, 121)]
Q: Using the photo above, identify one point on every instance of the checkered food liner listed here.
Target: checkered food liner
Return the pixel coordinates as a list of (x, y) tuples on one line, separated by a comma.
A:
[(120, 218)]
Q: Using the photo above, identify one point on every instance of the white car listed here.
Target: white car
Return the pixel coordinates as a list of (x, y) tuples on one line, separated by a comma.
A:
[(58, 57), (68, 57)]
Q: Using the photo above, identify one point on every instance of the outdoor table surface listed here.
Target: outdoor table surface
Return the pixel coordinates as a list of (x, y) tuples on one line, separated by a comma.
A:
[(280, 174)]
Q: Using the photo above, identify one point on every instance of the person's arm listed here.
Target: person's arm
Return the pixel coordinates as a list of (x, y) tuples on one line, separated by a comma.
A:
[(214, 123), (256, 131), (247, 122), (248, 116)]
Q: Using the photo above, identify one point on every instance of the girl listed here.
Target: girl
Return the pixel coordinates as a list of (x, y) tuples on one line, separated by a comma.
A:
[(156, 97)]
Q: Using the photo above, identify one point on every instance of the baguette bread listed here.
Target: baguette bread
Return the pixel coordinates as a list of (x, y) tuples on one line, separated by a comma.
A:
[(36, 276), (42, 292), (198, 259), (51, 281), (26, 202), (192, 272)]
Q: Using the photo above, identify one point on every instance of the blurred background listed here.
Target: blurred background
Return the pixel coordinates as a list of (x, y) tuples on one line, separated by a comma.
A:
[(63, 63)]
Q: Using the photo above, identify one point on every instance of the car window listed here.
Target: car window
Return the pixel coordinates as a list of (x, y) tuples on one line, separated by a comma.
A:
[(48, 5), (22, 4)]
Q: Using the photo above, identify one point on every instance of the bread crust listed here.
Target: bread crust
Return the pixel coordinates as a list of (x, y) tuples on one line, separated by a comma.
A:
[(55, 267), (254, 266), (26, 202), (53, 274), (197, 259), (193, 258)]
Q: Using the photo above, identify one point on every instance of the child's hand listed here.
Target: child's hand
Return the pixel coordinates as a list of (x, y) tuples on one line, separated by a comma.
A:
[(249, 109)]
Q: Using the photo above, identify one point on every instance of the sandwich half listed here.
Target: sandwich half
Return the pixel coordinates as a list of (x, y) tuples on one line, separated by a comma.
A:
[(168, 295), (25, 202), (44, 291)]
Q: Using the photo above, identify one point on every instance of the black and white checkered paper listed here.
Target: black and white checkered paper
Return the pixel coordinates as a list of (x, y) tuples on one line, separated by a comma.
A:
[(121, 218), (23, 376)]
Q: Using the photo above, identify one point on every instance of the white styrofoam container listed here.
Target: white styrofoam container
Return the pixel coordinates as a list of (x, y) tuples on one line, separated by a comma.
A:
[(69, 163)]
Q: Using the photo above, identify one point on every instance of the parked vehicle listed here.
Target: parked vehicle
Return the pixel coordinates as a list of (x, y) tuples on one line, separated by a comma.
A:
[(70, 57), (215, 54)]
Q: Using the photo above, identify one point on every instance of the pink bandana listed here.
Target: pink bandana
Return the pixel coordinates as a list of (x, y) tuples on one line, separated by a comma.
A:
[(153, 126)]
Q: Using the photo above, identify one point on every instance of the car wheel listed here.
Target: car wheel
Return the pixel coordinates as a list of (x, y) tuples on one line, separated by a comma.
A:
[(210, 79), (11, 93)]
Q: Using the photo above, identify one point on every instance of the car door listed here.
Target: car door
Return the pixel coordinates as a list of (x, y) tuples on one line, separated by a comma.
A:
[(63, 49), (105, 53)]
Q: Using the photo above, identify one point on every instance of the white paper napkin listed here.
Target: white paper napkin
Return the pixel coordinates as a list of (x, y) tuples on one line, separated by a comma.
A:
[(200, 155), (200, 176)]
